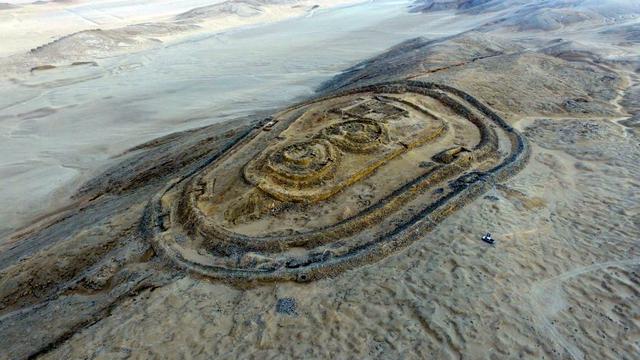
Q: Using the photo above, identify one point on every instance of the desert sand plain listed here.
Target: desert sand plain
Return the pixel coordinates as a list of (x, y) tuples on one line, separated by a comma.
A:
[(317, 187)]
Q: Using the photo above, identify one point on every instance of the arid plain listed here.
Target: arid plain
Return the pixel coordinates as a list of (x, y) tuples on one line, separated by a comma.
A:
[(294, 190)]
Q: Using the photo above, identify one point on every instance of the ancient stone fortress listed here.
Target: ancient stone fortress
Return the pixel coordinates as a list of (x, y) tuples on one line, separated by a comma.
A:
[(334, 183)]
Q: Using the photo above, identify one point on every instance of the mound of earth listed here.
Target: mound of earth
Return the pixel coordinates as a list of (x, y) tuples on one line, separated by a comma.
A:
[(546, 15), (546, 84), (629, 32), (97, 43), (554, 19), (419, 56), (470, 6), (244, 8)]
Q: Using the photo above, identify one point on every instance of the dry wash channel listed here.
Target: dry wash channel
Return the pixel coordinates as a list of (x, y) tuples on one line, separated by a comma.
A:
[(334, 183)]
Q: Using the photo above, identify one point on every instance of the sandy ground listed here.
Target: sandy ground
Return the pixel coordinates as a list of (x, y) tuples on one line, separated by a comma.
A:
[(61, 126), (561, 282)]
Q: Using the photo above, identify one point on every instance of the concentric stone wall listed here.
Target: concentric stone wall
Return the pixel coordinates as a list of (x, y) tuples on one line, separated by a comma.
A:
[(335, 182)]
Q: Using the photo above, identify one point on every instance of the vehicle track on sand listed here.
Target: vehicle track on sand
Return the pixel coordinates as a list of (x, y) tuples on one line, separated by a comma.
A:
[(542, 302)]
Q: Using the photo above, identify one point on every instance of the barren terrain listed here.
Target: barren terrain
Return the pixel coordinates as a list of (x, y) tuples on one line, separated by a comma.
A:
[(343, 223)]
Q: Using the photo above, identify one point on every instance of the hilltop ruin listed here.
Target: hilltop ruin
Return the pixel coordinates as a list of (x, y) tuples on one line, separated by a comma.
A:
[(334, 182)]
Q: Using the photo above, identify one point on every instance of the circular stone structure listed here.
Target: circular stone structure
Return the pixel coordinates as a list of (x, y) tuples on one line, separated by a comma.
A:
[(334, 182)]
